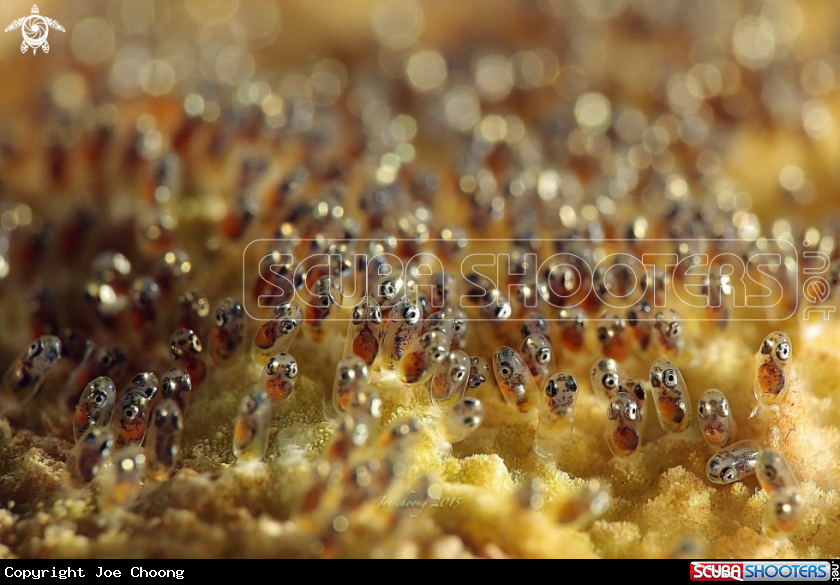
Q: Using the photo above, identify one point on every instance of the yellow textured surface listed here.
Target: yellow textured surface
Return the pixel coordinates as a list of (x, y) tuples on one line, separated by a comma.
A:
[(213, 507)]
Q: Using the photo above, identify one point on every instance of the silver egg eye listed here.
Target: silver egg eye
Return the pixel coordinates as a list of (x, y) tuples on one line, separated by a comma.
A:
[(714, 464), (551, 389), (411, 315), (505, 371), (703, 410), (669, 378), (221, 317), (639, 392), (728, 474), (35, 349), (98, 398), (543, 356), (187, 343), (358, 315), (783, 351), (291, 370), (376, 315), (130, 412), (609, 381)]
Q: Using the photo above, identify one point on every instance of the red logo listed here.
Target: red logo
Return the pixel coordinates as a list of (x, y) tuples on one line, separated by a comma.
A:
[(712, 571)]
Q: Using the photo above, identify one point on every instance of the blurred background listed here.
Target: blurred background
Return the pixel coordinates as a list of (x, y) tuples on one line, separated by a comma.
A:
[(770, 67), (153, 46)]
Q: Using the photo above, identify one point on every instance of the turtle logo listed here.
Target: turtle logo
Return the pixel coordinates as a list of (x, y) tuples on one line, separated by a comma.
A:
[(35, 30)]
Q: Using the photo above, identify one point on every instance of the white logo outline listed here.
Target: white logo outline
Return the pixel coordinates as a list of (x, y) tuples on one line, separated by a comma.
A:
[(35, 29)]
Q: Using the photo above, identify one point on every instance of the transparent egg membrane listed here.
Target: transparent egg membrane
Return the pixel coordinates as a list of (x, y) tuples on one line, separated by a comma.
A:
[(285, 211)]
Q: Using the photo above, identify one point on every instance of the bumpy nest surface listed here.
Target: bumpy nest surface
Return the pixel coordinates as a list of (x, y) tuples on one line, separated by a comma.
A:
[(215, 508)]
